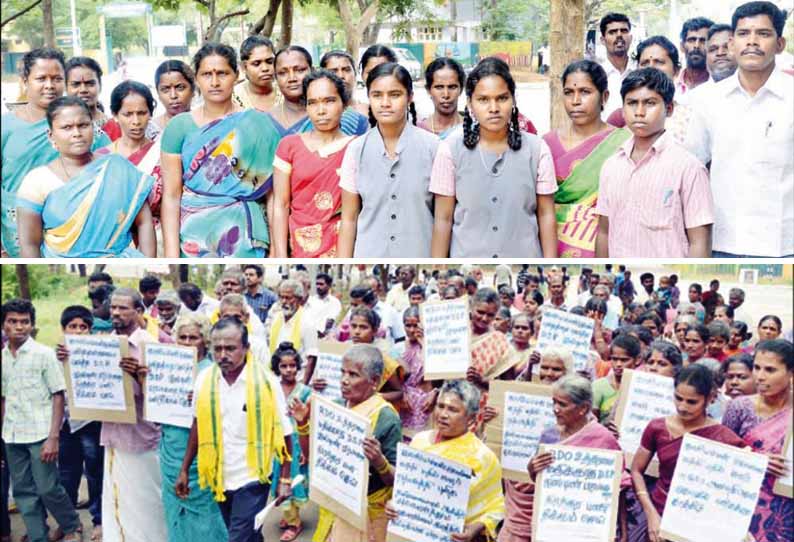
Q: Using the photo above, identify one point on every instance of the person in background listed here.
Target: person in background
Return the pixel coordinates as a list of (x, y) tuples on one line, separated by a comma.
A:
[(84, 80), (647, 281), (324, 308), (417, 295), (556, 294), (259, 297), (444, 81), (32, 411), (740, 335), (416, 389), (694, 35), (616, 37), (374, 56), (293, 63), (719, 336), (100, 303), (341, 64), (176, 84), (720, 58), (696, 341), (737, 372), (257, 91), (735, 301), (398, 294), (149, 288), (194, 300), (292, 325), (769, 327), (624, 353), (168, 306)]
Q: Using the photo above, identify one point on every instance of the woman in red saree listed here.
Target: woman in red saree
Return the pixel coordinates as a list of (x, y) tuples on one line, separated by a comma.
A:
[(694, 391), (763, 421), (308, 200)]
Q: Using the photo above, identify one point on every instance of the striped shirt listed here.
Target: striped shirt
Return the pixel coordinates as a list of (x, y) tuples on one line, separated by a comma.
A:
[(28, 383), (652, 203)]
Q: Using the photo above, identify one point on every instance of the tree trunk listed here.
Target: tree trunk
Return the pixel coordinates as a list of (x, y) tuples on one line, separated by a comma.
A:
[(48, 29), (23, 280), (354, 29), (286, 22), (566, 41), (453, 16), (184, 273), (265, 25), (81, 270), (218, 24), (370, 35)]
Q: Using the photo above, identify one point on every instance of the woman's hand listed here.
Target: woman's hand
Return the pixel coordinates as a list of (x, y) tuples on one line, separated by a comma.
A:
[(470, 532), (654, 526), (319, 384), (299, 410), (489, 413), (373, 453), (391, 512), (474, 376), (62, 353), (613, 428), (430, 401), (539, 463), (777, 465)]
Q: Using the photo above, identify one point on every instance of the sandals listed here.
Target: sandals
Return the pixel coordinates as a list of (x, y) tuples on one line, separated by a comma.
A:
[(291, 533), (96, 533)]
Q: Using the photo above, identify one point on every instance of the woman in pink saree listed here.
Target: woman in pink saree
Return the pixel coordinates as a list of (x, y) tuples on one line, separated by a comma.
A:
[(763, 420)]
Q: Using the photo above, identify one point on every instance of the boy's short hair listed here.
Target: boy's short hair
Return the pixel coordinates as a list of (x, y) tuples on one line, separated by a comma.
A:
[(73, 312), (652, 79), (19, 306)]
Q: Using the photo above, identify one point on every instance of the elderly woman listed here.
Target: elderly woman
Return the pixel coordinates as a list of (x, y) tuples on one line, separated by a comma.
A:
[(576, 426), (555, 362), (197, 517), (454, 414), (362, 371)]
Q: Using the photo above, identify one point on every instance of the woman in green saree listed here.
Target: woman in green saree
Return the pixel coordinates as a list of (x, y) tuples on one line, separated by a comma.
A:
[(579, 152)]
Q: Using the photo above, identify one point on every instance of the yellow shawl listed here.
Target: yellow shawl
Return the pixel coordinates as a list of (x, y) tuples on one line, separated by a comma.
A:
[(486, 501), (278, 323), (265, 434)]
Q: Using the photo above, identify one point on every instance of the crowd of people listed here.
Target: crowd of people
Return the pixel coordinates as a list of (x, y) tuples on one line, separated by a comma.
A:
[(256, 354), (263, 153)]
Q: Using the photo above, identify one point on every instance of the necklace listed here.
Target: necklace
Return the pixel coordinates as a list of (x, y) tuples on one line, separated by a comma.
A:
[(493, 171), (433, 122), (205, 115), (285, 115)]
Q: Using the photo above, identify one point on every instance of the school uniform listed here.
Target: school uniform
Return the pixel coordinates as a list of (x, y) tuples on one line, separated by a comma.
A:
[(396, 218), (495, 196)]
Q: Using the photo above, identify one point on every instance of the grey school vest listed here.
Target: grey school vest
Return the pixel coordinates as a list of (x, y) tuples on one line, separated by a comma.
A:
[(396, 217), (495, 209)]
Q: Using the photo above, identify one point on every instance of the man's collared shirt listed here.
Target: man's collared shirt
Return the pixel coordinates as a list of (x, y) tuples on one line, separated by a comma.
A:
[(614, 81), (261, 301), (398, 297), (322, 309), (207, 306), (749, 141), (29, 381)]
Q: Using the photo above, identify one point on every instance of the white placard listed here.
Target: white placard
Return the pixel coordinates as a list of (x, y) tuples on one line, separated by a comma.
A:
[(714, 492), (431, 495), (329, 367), (576, 497), (643, 397), (559, 328), (339, 471), (97, 378), (172, 370), (525, 418), (447, 343), (784, 486)]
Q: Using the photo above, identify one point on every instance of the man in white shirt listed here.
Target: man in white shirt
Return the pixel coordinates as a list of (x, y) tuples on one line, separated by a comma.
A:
[(735, 301), (194, 300), (720, 58), (503, 276), (646, 292), (324, 308), (398, 294), (744, 126), (616, 37), (293, 325)]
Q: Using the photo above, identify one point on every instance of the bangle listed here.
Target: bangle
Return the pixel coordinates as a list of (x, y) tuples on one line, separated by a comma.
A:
[(638, 493), (384, 469), (303, 430)]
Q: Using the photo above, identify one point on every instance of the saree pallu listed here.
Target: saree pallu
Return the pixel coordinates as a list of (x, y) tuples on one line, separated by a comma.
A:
[(578, 172), (486, 502), (227, 168), (414, 390), (92, 215)]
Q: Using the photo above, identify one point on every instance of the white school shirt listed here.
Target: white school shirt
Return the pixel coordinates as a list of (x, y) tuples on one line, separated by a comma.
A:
[(236, 472), (614, 81), (750, 143), (308, 332)]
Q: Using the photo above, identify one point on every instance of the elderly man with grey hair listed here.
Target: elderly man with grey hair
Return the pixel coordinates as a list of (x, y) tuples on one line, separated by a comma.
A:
[(736, 302), (291, 324)]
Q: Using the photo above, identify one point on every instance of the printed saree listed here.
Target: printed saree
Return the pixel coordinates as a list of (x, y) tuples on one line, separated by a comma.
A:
[(578, 170), (227, 168)]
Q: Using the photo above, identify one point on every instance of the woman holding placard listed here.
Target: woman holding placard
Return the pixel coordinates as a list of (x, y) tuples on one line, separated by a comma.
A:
[(416, 389), (763, 421), (663, 437), (196, 517), (455, 412)]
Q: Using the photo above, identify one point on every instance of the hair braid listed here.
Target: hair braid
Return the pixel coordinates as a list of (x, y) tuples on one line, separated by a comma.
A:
[(412, 112), (372, 120), (514, 131), (471, 134)]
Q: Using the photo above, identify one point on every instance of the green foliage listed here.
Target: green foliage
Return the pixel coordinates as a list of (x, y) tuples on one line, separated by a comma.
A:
[(516, 20), (43, 283)]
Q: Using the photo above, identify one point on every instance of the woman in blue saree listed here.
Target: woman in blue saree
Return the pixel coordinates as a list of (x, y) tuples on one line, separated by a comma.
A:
[(292, 64), (25, 145), (80, 205), (217, 164)]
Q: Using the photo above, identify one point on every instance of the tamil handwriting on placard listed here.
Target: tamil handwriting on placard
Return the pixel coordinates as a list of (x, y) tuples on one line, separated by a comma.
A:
[(714, 491), (577, 497), (572, 331), (339, 464), (446, 331), (649, 396), (525, 418), (97, 379), (430, 494), (329, 368), (168, 383)]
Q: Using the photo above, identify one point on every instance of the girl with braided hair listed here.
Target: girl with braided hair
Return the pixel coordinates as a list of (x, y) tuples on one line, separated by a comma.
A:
[(494, 184), (387, 209)]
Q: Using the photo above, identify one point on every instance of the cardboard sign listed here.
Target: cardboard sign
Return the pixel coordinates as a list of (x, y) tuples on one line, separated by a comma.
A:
[(714, 492), (329, 367), (576, 497), (785, 486), (431, 495), (172, 371), (525, 410), (558, 328), (98, 389), (447, 344), (338, 469)]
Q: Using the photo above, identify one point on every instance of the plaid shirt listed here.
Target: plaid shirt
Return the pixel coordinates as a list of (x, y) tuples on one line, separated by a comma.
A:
[(28, 383), (261, 301)]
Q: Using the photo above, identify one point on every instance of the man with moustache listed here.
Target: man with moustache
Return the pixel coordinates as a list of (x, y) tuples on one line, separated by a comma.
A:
[(131, 480), (693, 44), (720, 59), (293, 325), (744, 126), (616, 37)]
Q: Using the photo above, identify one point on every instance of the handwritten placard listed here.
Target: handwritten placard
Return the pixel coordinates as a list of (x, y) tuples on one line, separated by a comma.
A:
[(576, 497), (558, 328), (525, 410), (338, 469), (447, 348), (643, 397), (431, 495), (785, 486), (98, 389), (172, 370), (329, 368), (714, 492)]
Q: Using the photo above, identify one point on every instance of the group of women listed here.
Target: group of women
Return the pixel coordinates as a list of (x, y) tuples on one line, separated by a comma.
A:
[(288, 163)]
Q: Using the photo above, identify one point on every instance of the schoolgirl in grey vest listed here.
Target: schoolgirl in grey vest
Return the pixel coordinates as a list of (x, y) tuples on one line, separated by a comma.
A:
[(387, 207), (488, 203)]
